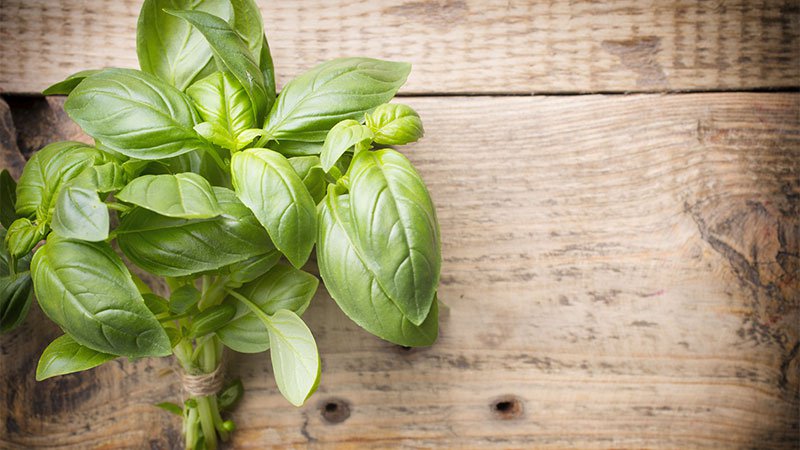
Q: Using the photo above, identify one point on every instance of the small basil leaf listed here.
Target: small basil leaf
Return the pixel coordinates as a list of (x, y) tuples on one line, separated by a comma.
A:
[(310, 171), (395, 124), (249, 269), (211, 319), (355, 289), (172, 49), (173, 247), (183, 299), (216, 135), (231, 52), (222, 101), (86, 289), (345, 88), (22, 236), (184, 195), (105, 178), (296, 148), (265, 181), (267, 68), (64, 355), (79, 213), (283, 287), (66, 86), (171, 407), (16, 293), (230, 395), (342, 137), (394, 229), (135, 114), (46, 172), (295, 359), (8, 199), (155, 303)]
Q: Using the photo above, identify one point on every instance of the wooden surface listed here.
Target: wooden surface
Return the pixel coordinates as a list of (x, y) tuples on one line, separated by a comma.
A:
[(620, 271), (456, 46)]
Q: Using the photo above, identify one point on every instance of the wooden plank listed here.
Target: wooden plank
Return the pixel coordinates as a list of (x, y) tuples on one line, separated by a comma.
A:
[(621, 274), (463, 46)]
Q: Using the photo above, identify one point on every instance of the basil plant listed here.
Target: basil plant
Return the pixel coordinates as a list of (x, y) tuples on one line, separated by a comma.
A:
[(201, 176)]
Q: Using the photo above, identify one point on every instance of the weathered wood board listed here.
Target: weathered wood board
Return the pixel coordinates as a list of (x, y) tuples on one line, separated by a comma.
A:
[(456, 46), (619, 271)]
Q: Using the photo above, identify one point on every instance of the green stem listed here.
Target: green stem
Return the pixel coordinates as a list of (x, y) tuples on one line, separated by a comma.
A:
[(253, 307), (263, 139)]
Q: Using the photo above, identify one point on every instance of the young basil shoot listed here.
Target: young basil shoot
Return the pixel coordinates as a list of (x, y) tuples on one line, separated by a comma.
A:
[(202, 176)]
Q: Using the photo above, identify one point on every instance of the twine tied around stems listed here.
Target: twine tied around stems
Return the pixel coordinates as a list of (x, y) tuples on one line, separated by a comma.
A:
[(204, 385)]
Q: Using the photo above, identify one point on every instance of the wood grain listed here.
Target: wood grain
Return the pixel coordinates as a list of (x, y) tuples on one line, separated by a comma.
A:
[(618, 272), (456, 46)]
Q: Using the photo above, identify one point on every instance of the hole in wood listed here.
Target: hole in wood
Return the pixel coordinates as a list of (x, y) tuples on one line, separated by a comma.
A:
[(507, 408), (335, 410)]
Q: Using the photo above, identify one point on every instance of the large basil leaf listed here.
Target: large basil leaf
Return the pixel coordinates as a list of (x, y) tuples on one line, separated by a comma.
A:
[(173, 247), (343, 136), (172, 49), (135, 114), (184, 195), (295, 359), (345, 88), (46, 172), (310, 171), (66, 86), (85, 288), (8, 199), (395, 124), (64, 355), (226, 109), (283, 287), (232, 52), (354, 287), (16, 293), (80, 214), (266, 182), (394, 229)]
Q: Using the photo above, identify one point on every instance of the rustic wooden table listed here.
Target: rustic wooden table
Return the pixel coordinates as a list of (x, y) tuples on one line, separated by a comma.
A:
[(618, 185)]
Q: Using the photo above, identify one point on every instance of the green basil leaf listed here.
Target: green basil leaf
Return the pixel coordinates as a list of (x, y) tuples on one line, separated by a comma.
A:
[(105, 178), (283, 287), (184, 195), (223, 103), (155, 303), (172, 49), (233, 53), (8, 199), (16, 293), (395, 124), (80, 214), (394, 229), (296, 148), (231, 395), (64, 355), (183, 299), (265, 181), (171, 407), (345, 88), (23, 235), (355, 289), (201, 163), (135, 114), (86, 289), (216, 135), (342, 137), (211, 319), (295, 359), (66, 86), (173, 247), (267, 68), (249, 269), (310, 171), (49, 169)]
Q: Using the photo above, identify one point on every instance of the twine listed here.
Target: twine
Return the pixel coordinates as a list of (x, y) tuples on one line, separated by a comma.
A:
[(204, 385)]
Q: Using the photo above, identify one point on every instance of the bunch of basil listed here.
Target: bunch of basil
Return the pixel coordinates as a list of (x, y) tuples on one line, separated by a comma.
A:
[(202, 175)]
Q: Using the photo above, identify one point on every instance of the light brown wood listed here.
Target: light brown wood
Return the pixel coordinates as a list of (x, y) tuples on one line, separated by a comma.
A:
[(620, 271), (473, 46)]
